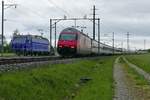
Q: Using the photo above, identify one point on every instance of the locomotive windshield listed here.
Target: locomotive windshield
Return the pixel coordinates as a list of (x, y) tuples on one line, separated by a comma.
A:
[(68, 37), (19, 40)]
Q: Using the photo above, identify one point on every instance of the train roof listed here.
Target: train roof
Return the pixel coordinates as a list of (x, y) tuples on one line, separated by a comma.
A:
[(70, 29), (74, 30), (33, 36)]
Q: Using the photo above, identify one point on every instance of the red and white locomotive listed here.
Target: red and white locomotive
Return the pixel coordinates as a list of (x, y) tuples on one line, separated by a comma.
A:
[(73, 42)]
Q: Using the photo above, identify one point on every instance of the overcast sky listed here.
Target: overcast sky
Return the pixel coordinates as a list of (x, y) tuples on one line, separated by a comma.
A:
[(119, 16)]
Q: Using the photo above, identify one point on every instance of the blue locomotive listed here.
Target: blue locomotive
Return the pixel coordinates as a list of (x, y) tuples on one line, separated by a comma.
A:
[(30, 45)]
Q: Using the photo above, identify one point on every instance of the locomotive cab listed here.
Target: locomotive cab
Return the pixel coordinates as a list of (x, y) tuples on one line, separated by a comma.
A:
[(67, 44)]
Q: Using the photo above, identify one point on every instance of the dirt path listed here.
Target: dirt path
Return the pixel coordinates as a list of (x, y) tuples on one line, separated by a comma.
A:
[(121, 87), (127, 78)]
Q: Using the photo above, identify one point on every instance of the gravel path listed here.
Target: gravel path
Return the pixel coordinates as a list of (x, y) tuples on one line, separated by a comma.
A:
[(122, 90), (139, 70)]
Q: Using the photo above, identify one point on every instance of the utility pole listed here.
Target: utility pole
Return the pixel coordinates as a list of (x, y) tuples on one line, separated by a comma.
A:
[(144, 44), (2, 30), (122, 46), (98, 35), (75, 23), (128, 47), (94, 22), (50, 40), (55, 36), (2, 35), (113, 42)]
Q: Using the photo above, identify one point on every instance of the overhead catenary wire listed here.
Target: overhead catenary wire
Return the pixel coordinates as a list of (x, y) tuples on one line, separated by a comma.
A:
[(33, 12), (29, 10), (51, 2)]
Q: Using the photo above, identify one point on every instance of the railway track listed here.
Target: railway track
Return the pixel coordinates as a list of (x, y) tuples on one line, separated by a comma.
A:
[(24, 59), (21, 63), (16, 60)]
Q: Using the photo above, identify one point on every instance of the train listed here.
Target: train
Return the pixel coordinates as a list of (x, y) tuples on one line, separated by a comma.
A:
[(30, 45), (73, 42)]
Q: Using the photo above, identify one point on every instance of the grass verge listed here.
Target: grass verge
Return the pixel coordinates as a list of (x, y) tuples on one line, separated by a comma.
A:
[(142, 61), (8, 54), (60, 82)]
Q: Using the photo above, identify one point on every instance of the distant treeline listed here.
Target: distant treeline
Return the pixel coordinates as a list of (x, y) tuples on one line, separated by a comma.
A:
[(7, 48)]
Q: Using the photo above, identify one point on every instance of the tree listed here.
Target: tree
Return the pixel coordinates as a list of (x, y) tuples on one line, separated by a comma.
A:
[(7, 48), (4, 43), (149, 50), (16, 32), (4, 40)]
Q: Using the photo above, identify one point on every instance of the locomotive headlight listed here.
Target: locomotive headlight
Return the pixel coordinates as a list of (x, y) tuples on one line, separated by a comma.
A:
[(60, 46), (72, 47)]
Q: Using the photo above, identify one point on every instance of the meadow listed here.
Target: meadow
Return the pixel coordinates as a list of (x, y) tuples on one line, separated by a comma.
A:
[(142, 61), (83, 80)]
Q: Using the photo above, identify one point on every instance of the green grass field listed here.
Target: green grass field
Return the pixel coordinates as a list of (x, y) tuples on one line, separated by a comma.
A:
[(142, 61), (61, 82), (8, 54)]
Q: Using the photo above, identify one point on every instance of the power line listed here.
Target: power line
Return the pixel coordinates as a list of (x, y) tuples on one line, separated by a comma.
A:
[(128, 40), (32, 11), (51, 2), (144, 44), (113, 42), (94, 22)]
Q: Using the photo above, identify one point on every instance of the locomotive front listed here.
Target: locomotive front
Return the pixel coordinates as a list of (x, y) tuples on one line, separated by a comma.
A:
[(67, 43)]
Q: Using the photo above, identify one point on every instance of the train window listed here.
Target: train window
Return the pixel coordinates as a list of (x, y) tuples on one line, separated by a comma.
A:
[(68, 37)]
